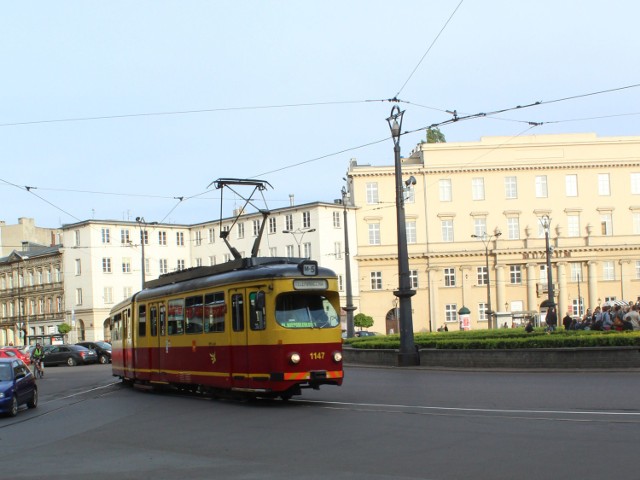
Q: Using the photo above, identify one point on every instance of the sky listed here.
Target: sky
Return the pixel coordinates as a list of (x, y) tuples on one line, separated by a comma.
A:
[(117, 110)]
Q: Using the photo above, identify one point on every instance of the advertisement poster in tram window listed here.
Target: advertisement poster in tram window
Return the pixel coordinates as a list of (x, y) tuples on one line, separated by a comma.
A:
[(465, 322)]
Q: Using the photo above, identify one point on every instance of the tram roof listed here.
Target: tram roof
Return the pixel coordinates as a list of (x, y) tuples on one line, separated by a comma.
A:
[(242, 269)]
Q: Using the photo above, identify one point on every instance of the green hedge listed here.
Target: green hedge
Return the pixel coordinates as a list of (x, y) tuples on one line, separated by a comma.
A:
[(503, 339)]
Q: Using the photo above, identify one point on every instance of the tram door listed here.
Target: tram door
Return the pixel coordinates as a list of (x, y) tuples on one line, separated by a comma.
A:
[(247, 342), (127, 341)]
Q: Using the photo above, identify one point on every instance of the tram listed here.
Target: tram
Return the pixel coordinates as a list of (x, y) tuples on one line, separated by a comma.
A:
[(257, 327)]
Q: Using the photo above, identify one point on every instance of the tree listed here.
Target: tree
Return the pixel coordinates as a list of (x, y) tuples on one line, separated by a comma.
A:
[(64, 328), (363, 321), (434, 135)]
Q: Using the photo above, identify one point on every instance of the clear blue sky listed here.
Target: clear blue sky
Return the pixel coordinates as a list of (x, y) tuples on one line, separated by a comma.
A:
[(123, 62)]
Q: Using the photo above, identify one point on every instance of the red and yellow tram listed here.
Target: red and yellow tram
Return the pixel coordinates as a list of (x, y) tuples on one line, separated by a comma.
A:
[(263, 327)]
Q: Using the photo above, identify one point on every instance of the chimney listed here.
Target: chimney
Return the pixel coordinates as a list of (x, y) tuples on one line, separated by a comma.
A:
[(291, 200)]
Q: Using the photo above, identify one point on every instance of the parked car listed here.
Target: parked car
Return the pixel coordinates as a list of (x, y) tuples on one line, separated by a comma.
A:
[(17, 386), (18, 353), (70, 354), (103, 349), (364, 333)]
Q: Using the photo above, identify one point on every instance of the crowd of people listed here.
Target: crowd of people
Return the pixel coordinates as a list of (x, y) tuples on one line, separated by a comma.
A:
[(616, 317)]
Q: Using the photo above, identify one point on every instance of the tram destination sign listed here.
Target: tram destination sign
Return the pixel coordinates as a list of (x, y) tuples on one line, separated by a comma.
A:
[(310, 284)]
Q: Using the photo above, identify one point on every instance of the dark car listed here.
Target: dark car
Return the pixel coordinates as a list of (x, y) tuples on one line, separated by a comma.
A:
[(364, 333), (103, 349), (69, 354), (17, 386)]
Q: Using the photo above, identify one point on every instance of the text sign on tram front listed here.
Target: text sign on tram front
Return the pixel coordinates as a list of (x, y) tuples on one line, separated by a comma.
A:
[(310, 284)]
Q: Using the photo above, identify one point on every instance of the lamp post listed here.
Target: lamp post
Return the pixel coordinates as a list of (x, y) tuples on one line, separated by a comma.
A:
[(486, 240), (347, 269), (408, 354), (298, 234), (550, 301), (24, 327), (143, 240)]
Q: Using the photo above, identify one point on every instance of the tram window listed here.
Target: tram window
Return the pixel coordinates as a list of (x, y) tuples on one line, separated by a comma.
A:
[(214, 312), (117, 327), (175, 319), (142, 320), (237, 312), (305, 311), (256, 311), (162, 320), (153, 320), (194, 310)]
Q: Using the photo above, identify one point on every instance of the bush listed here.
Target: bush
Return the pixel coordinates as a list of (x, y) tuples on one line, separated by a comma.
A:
[(504, 339)]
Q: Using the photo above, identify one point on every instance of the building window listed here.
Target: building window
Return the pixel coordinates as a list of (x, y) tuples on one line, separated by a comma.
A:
[(212, 260), (144, 237), (198, 262), (450, 312), (637, 269), (198, 238), (635, 183), (288, 222), (126, 292), (376, 280), (306, 219), (513, 228), (273, 251), (410, 194), (307, 250), (449, 277), (410, 227), (78, 296), (78, 266), (336, 219), (606, 227), (106, 265), (604, 187), (576, 271), (124, 236), (446, 194), (255, 224), (571, 185), (573, 225), (374, 234), (482, 312), (180, 239), (240, 230), (515, 274), (162, 265), (77, 238), (108, 294), (212, 235), (126, 265), (147, 266), (162, 238), (542, 190), (577, 307), (482, 275), (608, 270), (447, 230), (106, 235), (413, 278), (477, 188), (273, 225), (544, 279), (340, 283), (510, 187), (480, 226), (290, 253), (337, 249), (179, 264), (372, 193)]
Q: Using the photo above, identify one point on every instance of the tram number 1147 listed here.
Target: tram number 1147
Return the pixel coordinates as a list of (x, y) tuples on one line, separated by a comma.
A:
[(317, 355)]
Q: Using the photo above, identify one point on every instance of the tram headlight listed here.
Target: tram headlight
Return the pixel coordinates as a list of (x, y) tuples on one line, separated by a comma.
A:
[(294, 358), (337, 357)]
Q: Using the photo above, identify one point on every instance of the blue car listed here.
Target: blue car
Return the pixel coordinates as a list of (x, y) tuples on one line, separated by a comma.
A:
[(17, 386)]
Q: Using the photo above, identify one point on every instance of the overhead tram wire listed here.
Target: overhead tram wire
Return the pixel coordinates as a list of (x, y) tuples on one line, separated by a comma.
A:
[(429, 49)]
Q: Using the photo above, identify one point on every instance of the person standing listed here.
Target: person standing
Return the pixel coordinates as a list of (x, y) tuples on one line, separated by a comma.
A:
[(566, 321), (551, 319)]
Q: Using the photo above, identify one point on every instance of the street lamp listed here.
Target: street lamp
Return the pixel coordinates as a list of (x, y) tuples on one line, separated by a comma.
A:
[(298, 234), (550, 301), (408, 354), (486, 240), (143, 240), (347, 268)]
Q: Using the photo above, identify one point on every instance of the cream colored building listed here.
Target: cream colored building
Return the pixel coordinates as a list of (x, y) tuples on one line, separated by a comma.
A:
[(13, 236), (589, 188)]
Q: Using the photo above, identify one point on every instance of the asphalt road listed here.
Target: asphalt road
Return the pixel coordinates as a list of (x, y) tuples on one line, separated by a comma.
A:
[(383, 423)]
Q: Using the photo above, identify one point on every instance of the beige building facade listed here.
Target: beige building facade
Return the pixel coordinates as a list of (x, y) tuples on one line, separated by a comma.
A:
[(501, 190)]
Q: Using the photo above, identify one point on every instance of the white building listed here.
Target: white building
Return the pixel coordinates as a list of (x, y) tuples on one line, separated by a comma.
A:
[(103, 258)]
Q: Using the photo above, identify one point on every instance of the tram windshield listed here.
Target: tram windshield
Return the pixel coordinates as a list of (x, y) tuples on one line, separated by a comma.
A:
[(297, 310)]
